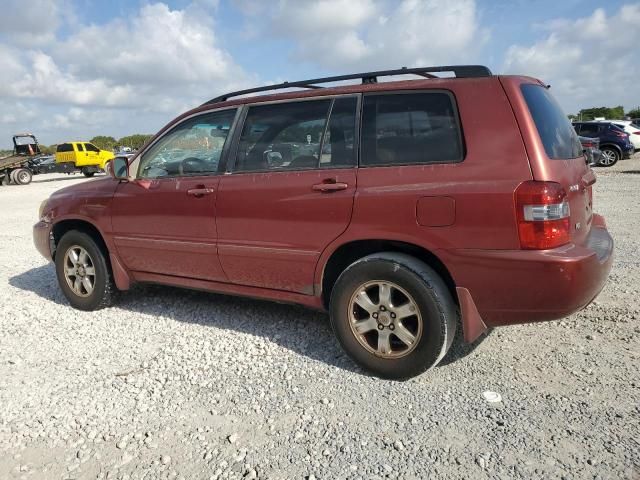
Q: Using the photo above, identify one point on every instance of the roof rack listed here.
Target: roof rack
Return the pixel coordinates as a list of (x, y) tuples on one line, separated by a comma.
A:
[(460, 71)]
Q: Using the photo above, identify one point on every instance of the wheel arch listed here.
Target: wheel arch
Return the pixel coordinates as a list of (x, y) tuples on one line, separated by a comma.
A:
[(63, 226), (349, 252), (612, 145), (120, 274)]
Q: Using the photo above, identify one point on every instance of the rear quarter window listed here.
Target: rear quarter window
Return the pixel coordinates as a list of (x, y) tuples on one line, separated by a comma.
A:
[(558, 137), (410, 128), (64, 147)]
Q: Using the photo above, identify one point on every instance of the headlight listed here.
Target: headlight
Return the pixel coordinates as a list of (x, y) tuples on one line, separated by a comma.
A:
[(43, 205)]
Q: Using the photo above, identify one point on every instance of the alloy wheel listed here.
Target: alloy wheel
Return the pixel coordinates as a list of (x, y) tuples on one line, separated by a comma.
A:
[(79, 271), (385, 319), (608, 158)]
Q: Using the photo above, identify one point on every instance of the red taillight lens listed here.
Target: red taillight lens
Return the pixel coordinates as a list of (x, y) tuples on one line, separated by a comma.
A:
[(620, 134), (542, 210)]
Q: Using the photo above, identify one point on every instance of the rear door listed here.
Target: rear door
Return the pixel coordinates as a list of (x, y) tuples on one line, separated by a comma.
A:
[(79, 154), (556, 155), (164, 220), (289, 192)]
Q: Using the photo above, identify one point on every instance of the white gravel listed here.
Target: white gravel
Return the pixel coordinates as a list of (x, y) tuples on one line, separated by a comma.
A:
[(178, 384)]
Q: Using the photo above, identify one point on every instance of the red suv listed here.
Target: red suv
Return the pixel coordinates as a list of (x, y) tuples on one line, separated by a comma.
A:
[(406, 209)]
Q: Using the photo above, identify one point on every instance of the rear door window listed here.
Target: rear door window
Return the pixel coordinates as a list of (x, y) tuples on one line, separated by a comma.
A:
[(558, 137), (409, 129), (282, 136)]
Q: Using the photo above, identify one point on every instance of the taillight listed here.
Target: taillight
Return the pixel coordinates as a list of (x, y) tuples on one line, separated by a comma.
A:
[(620, 134), (589, 145), (542, 210)]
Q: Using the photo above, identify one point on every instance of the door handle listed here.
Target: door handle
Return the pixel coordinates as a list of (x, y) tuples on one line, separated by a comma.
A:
[(329, 186), (200, 191)]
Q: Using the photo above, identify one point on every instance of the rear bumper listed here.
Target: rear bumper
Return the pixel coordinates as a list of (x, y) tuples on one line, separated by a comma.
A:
[(521, 286), (628, 153), (42, 239)]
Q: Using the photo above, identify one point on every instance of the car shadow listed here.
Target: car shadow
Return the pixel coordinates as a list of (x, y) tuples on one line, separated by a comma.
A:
[(296, 328)]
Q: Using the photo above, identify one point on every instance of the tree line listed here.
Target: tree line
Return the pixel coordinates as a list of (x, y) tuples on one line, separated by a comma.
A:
[(135, 142), (614, 113)]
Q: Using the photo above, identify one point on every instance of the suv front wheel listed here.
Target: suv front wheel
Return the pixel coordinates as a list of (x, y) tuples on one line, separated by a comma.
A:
[(393, 315), (83, 272)]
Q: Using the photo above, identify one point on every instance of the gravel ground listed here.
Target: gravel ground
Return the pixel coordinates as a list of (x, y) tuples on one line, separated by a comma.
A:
[(178, 384)]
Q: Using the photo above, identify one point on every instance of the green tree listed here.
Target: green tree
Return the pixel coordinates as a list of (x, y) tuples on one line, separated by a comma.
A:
[(48, 150), (634, 113), (104, 142), (134, 141), (606, 112)]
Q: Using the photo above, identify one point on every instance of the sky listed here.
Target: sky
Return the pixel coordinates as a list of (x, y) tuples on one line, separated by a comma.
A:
[(73, 69)]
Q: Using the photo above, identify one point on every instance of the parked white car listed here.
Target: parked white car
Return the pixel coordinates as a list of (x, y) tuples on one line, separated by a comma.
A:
[(630, 128)]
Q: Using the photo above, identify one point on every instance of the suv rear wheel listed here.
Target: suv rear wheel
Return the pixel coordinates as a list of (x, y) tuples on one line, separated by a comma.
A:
[(610, 157), (83, 272), (393, 315)]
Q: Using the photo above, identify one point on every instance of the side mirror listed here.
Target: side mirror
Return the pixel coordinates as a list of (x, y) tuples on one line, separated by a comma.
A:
[(118, 168)]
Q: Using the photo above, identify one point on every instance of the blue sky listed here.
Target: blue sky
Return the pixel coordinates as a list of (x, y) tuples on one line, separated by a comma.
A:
[(119, 67)]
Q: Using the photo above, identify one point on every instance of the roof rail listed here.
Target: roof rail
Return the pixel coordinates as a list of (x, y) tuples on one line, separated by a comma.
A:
[(460, 71)]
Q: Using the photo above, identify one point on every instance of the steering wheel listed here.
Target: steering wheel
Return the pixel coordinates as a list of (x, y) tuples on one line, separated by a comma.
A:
[(192, 165)]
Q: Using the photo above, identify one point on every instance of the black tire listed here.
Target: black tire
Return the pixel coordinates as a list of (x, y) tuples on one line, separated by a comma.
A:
[(436, 307), (104, 289), (12, 177), (610, 157), (5, 179), (87, 172), (22, 176)]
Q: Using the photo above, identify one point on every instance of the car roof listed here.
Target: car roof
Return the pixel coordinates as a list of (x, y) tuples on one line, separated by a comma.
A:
[(434, 83), (387, 86)]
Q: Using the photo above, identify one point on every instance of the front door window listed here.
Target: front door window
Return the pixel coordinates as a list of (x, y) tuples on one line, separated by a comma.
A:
[(193, 148)]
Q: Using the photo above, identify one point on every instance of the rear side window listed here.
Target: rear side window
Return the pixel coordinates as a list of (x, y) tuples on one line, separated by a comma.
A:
[(298, 135), (79, 147), (558, 137), (410, 128), (64, 147), (338, 147)]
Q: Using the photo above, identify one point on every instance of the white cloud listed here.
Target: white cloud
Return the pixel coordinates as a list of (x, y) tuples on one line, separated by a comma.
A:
[(30, 23), (590, 61), (158, 63), (377, 33)]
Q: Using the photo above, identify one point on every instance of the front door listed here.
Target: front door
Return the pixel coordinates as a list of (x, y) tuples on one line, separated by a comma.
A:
[(289, 193), (92, 154), (164, 220)]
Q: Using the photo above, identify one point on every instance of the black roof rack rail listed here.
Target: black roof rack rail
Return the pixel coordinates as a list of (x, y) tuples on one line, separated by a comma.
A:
[(460, 71)]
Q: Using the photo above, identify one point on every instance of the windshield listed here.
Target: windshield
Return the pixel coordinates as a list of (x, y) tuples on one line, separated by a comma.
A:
[(558, 136), (25, 140)]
